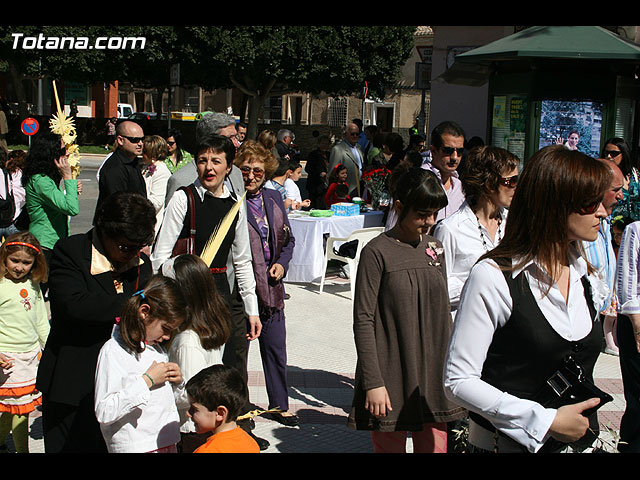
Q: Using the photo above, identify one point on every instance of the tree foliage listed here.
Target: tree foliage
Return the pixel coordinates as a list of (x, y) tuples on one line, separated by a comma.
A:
[(258, 60)]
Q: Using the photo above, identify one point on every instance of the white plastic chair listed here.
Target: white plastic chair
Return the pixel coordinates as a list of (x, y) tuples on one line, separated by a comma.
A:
[(363, 235)]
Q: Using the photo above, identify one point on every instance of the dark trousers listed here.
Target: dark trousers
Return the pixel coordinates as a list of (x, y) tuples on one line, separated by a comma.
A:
[(630, 369), (235, 350), (273, 351), (71, 429)]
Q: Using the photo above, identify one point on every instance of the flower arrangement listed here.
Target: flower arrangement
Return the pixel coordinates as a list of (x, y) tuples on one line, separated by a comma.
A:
[(376, 182), (433, 252), (64, 126)]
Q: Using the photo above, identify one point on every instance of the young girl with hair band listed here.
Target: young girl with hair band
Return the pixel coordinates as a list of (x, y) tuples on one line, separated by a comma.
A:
[(24, 328), (136, 385), (402, 325), (200, 340), (338, 176)]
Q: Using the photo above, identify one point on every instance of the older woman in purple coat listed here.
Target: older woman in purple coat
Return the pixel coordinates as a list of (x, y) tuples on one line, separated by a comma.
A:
[(271, 247)]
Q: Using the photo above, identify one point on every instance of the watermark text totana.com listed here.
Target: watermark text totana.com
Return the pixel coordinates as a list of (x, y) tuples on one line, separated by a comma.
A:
[(42, 42)]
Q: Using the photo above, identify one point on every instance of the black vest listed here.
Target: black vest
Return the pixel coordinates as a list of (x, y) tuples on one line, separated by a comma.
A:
[(209, 213), (526, 351)]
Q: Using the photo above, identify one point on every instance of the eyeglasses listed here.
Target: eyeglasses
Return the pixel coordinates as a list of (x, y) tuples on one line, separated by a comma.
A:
[(510, 182), (450, 150), (133, 139), (258, 173), (130, 248), (591, 208), (613, 153), (171, 144)]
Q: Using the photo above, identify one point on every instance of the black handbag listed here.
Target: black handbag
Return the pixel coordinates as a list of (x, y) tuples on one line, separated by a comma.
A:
[(570, 385)]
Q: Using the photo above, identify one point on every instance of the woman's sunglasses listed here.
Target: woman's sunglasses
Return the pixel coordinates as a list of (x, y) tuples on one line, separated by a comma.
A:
[(258, 173), (591, 208), (613, 153), (510, 182)]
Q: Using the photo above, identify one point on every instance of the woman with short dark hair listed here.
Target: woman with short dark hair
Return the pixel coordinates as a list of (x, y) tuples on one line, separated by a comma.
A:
[(92, 275), (489, 183)]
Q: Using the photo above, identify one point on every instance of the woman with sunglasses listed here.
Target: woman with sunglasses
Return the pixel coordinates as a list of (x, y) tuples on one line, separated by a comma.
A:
[(527, 305), (271, 248), (618, 151), (177, 157), (92, 275), (51, 192), (489, 182)]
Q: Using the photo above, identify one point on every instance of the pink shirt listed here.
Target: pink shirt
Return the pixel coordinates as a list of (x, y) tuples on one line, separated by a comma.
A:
[(455, 194)]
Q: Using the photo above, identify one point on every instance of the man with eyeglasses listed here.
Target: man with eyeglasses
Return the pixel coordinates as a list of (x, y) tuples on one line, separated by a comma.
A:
[(121, 170), (350, 154), (447, 147)]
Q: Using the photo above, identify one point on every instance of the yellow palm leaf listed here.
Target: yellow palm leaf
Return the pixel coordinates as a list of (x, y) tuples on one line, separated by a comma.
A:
[(219, 233), (64, 126)]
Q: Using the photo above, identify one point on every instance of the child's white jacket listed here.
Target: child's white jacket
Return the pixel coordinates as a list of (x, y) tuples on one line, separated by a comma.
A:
[(132, 417)]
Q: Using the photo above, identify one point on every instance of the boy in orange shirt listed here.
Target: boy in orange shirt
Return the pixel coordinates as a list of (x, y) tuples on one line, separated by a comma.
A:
[(217, 395)]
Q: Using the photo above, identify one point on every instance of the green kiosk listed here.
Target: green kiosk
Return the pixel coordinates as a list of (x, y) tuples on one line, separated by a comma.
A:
[(555, 85)]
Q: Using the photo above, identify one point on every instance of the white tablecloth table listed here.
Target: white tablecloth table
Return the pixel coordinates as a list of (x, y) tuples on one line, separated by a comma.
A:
[(308, 254)]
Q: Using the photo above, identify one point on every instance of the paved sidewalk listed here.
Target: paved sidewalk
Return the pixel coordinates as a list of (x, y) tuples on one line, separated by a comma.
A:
[(322, 359)]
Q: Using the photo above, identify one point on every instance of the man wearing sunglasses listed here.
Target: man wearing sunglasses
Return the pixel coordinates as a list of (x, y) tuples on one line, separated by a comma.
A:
[(600, 254), (121, 170), (447, 147)]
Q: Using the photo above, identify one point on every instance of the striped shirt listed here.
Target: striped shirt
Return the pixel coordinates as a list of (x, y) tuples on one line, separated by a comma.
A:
[(627, 275), (600, 254)]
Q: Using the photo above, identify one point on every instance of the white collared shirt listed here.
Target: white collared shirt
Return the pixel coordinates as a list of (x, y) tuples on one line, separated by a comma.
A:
[(172, 224), (462, 243), (132, 417), (485, 305)]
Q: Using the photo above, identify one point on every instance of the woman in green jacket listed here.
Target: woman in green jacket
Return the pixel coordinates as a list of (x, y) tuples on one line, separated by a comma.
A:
[(51, 191)]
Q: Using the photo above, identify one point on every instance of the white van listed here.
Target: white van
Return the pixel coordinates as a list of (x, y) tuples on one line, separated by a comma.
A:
[(124, 110)]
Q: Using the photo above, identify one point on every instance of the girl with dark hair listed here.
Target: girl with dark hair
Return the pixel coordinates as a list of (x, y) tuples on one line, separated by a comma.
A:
[(402, 325), (177, 157), (200, 340), (337, 176), (24, 327), (527, 305), (92, 275), (618, 151), (489, 183), (49, 204), (136, 385)]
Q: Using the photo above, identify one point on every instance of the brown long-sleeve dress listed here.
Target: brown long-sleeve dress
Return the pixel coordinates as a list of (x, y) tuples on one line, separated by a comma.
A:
[(402, 326)]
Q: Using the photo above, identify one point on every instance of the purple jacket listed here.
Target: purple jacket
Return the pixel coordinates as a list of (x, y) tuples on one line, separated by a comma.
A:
[(281, 243)]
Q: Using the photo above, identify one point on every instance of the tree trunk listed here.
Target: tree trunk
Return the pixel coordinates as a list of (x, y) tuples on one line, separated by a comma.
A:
[(16, 78), (157, 101), (256, 108)]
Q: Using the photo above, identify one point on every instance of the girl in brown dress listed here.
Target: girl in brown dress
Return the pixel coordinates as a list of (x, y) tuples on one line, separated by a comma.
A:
[(402, 326)]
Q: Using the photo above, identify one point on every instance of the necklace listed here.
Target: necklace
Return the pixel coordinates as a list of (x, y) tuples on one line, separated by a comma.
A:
[(482, 235)]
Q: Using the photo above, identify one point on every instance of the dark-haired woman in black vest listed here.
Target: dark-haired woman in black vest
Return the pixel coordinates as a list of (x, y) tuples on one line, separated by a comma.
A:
[(527, 305), (212, 200)]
